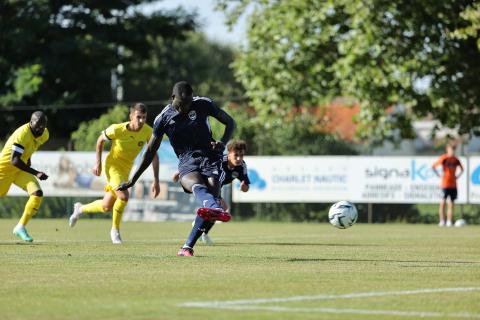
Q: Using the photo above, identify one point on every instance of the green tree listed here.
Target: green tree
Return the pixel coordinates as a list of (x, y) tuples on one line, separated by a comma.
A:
[(25, 82), (205, 64), (85, 137), (64, 52), (293, 134), (472, 15), (382, 53)]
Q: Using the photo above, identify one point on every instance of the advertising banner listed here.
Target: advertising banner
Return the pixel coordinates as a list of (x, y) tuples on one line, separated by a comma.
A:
[(398, 180), (474, 180), (295, 179), (358, 179), (70, 173), (277, 179)]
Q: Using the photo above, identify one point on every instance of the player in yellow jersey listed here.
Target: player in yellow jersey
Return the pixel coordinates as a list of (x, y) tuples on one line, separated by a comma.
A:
[(15, 167), (127, 140)]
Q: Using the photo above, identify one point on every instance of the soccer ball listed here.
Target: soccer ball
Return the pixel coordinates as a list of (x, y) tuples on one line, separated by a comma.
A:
[(460, 223), (342, 214)]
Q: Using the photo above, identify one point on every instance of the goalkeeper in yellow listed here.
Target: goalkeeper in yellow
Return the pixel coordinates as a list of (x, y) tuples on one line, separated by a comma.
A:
[(15, 167), (127, 140)]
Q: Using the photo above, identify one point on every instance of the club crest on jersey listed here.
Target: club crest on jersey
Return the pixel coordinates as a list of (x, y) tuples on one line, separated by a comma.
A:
[(192, 115)]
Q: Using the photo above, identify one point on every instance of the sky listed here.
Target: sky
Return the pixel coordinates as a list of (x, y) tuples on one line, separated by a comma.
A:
[(211, 21)]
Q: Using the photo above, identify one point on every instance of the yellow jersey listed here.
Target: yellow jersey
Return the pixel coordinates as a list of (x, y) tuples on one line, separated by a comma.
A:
[(22, 141), (126, 144)]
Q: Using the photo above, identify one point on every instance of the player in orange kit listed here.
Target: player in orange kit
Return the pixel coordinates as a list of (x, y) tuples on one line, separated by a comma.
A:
[(449, 163)]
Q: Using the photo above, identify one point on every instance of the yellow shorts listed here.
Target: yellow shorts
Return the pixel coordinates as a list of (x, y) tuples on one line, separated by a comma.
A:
[(115, 176), (21, 179)]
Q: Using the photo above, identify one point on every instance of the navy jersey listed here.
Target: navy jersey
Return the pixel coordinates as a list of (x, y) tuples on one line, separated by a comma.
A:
[(187, 132), (238, 172)]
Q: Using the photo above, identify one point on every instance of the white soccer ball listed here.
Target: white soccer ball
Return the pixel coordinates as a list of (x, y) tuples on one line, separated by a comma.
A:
[(342, 214), (460, 223)]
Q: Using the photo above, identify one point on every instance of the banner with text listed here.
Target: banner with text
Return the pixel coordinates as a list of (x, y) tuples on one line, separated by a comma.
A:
[(70, 173), (358, 179), (474, 180)]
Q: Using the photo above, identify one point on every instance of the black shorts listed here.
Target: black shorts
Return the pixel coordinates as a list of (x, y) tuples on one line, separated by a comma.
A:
[(207, 165), (450, 192)]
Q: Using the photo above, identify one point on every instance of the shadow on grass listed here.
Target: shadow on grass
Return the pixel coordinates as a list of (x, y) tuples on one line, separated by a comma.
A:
[(232, 244), (18, 243), (435, 263)]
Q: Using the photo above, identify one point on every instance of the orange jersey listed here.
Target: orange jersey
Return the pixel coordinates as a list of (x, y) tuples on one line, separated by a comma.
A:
[(449, 165)]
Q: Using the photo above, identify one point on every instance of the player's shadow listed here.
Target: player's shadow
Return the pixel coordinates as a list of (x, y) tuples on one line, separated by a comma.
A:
[(432, 263), (295, 244), (17, 243)]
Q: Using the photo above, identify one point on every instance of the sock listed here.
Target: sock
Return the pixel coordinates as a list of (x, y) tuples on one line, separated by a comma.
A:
[(93, 207), (209, 227), (204, 197), (198, 228), (118, 208), (31, 208)]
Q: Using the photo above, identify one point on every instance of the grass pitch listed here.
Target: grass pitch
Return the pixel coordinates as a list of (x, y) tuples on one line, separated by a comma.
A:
[(254, 271)]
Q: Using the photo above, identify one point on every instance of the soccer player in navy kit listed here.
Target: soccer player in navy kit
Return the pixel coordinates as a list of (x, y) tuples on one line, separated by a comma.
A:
[(233, 168), (185, 122)]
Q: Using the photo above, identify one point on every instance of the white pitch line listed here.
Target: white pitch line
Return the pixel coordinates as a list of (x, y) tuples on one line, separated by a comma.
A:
[(215, 304), (418, 314), (250, 304)]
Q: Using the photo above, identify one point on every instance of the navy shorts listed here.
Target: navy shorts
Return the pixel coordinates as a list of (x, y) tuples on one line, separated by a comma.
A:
[(450, 192), (207, 165)]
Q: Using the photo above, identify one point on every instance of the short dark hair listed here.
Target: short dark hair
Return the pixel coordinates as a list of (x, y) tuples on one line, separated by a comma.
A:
[(38, 115), (237, 145), (181, 90), (138, 107)]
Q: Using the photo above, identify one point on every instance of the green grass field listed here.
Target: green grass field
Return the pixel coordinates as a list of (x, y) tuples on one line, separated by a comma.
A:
[(392, 271)]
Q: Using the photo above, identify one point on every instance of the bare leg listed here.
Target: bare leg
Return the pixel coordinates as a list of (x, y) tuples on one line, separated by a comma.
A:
[(190, 179), (441, 209), (214, 186), (108, 201), (450, 209)]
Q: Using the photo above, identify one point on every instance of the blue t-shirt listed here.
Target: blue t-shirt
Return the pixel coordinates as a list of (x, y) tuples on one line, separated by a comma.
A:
[(187, 132)]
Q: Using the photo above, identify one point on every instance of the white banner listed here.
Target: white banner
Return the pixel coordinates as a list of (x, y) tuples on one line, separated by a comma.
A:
[(398, 180), (358, 179), (70, 173), (295, 179), (474, 180), (282, 179)]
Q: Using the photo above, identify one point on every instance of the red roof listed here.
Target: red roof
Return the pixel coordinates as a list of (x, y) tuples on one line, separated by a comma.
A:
[(338, 119)]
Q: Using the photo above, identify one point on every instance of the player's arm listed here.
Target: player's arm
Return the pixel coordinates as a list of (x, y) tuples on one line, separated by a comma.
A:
[(147, 159), (156, 171), (176, 177), (229, 123), (244, 180), (435, 165), (17, 161), (244, 186), (97, 169), (461, 170)]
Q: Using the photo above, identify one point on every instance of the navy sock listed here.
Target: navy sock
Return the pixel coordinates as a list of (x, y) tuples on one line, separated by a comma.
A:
[(199, 226), (209, 227), (204, 197)]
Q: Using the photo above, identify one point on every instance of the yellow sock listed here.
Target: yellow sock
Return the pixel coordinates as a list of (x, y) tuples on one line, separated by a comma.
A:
[(118, 208), (31, 208), (93, 207)]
